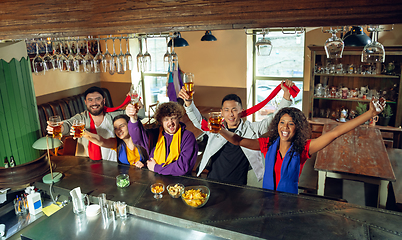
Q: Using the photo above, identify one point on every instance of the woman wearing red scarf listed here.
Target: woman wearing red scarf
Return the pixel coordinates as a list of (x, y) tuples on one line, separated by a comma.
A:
[(288, 146)]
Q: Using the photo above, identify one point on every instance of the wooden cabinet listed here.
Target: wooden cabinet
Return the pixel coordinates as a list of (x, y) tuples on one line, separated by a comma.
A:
[(326, 106)]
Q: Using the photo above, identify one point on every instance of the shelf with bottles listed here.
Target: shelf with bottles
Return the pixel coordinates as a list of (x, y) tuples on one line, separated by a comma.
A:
[(351, 75), (351, 99), (357, 75)]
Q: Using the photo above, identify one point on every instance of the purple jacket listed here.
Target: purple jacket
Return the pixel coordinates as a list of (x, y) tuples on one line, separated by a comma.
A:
[(147, 138)]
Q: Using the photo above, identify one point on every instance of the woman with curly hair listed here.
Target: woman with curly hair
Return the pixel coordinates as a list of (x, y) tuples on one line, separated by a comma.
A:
[(288, 146), (172, 149)]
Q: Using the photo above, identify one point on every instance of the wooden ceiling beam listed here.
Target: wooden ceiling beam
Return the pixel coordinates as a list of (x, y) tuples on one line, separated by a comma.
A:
[(34, 19)]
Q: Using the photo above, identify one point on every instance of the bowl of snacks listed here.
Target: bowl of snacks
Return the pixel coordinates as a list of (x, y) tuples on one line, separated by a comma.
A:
[(123, 180), (195, 196), (157, 189), (175, 190)]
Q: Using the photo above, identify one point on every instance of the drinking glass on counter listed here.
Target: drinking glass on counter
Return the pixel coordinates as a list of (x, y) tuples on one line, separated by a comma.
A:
[(55, 123), (122, 209), (214, 122), (188, 80), (79, 205), (78, 127)]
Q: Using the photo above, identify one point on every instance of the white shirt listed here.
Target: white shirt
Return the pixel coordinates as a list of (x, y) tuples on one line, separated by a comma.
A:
[(106, 130)]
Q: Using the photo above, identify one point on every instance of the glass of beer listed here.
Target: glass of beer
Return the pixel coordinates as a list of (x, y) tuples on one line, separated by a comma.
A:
[(188, 80), (78, 127), (214, 122), (55, 123)]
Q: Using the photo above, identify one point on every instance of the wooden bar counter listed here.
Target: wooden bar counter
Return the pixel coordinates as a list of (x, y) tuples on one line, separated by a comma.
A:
[(233, 212)]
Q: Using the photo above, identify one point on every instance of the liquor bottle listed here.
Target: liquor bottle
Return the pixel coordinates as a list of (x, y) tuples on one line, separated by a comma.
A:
[(5, 162), (12, 161)]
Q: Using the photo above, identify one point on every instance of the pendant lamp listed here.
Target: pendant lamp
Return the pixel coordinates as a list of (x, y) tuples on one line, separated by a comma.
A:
[(208, 36), (178, 41)]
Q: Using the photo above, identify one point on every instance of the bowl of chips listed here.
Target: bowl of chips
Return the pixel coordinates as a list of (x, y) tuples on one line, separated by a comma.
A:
[(157, 189), (175, 190), (195, 196)]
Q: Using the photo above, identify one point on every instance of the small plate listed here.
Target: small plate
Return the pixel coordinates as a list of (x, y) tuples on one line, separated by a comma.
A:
[(93, 210)]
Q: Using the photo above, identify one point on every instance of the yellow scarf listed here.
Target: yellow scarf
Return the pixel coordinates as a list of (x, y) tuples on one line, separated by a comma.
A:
[(160, 148)]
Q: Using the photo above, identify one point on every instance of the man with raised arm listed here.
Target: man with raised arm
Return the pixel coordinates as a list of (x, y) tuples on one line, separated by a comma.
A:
[(225, 161)]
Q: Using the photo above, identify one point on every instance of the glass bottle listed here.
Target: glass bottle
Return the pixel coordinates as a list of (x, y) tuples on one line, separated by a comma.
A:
[(12, 161), (5, 162)]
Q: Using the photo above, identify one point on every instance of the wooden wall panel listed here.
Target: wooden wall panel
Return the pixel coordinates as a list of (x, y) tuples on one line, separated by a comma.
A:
[(18, 115), (40, 18)]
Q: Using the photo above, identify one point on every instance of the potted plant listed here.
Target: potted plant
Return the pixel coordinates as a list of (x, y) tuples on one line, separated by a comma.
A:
[(360, 109), (385, 116)]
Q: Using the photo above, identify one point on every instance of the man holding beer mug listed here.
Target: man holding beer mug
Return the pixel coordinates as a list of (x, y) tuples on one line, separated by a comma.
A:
[(172, 149), (95, 120), (227, 162)]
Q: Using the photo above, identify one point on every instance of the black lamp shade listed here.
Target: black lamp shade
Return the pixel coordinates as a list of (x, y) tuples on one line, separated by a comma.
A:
[(356, 37), (208, 36), (178, 41)]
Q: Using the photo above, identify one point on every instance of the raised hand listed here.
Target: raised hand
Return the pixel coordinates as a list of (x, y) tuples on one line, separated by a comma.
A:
[(132, 111), (183, 94), (286, 93), (377, 105)]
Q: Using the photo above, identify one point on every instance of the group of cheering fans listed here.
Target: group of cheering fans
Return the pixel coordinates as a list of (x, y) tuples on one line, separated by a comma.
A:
[(171, 149)]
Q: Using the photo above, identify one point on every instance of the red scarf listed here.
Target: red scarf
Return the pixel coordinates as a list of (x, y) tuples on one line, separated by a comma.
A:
[(292, 90), (94, 151)]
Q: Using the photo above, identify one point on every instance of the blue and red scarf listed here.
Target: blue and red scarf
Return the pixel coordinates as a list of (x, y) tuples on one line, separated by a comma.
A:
[(289, 171)]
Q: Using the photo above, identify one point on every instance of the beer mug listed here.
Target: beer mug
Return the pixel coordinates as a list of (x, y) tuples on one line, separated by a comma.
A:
[(215, 122), (78, 127), (188, 80), (55, 123), (79, 205), (373, 120)]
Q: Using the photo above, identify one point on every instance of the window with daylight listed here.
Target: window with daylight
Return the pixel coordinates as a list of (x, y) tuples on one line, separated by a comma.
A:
[(286, 61), (155, 79)]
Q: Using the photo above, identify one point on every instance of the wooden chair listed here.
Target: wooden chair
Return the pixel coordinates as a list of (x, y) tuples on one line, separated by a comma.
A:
[(150, 120)]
